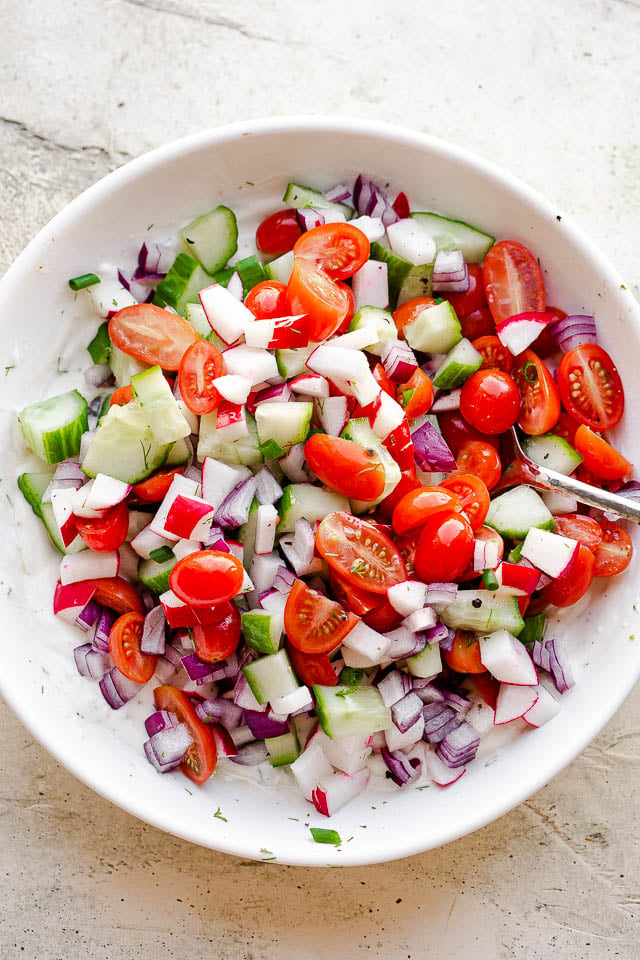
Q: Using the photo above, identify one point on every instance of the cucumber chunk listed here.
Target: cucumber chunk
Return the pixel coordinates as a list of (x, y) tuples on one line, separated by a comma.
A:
[(271, 677), (155, 575), (282, 424), (304, 500), (244, 451), (553, 452), (427, 662), (458, 365), (212, 238), (159, 405), (182, 284), (359, 431), (263, 630), (250, 271), (513, 513), (293, 362), (124, 367), (483, 611), (280, 268), (283, 750), (32, 486), (418, 282), (304, 197), (436, 329), (53, 428), (383, 323), (346, 712), (179, 453), (124, 447), (456, 235)]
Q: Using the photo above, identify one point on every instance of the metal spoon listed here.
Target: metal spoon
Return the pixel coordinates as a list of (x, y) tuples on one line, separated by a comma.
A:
[(545, 479)]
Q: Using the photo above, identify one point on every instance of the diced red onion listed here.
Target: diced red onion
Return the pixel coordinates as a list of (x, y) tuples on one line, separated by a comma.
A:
[(308, 218), (147, 597), (173, 655), (431, 450), (164, 670), (80, 657), (485, 555), (274, 393), (449, 266), (234, 509), (455, 700), (160, 720), (251, 754), (394, 686), (370, 201), (243, 696), (216, 541), (221, 711), (459, 746), (196, 668), (99, 376), (89, 615), (151, 757), (263, 726), (102, 630), (447, 401), (284, 580), (226, 669), (117, 689), (153, 631), (573, 331), (268, 490), (401, 769), (341, 193), (399, 360), (441, 593), (171, 744), (453, 286), (551, 656), (405, 712), (404, 644), (439, 719), (630, 490), (427, 691)]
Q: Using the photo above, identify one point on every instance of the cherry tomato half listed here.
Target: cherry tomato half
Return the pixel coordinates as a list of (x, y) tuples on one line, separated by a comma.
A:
[(314, 623), (201, 757), (409, 311), (416, 395), (480, 458), (383, 618), (568, 589), (408, 481), (464, 656), (117, 594), (512, 280), (345, 466), (206, 578), (578, 527), (352, 598), (267, 300), (540, 408), (473, 495), (474, 297), (155, 488), (312, 668), (339, 248), (478, 323), (415, 508), (496, 356), (108, 532), (312, 291), (278, 232), (124, 647), (456, 430), (590, 387), (217, 641), (152, 334), (613, 553), (359, 552), (600, 457), (445, 547), (199, 367), (490, 401)]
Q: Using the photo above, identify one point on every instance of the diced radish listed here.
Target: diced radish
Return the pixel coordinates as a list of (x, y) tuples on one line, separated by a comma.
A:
[(180, 486), (106, 492), (388, 416), (188, 415), (513, 702), (409, 239), (521, 580), (235, 285), (333, 413), (69, 600), (407, 597), (108, 296), (370, 285), (334, 791), (399, 360), (233, 387), (449, 267), (365, 389), (543, 709), (372, 227), (481, 716), (79, 503), (231, 422), (439, 772), (486, 555), (419, 620), (128, 563), (177, 613), (310, 768), (298, 701), (402, 741), (252, 363), (189, 518), (366, 642), (62, 505), (266, 522), (507, 659), (550, 552), (260, 333), (224, 741), (356, 339), (147, 540), (226, 316), (185, 547), (263, 570), (341, 753), (241, 736), (337, 363), (447, 401), (294, 465), (310, 385), (558, 502), (219, 479), (519, 331), (273, 600), (88, 565)]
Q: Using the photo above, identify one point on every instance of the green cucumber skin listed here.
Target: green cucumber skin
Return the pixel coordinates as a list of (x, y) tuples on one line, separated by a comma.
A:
[(212, 238), (461, 361), (494, 613), (514, 512), (154, 575), (343, 711), (60, 441), (256, 629), (283, 750), (297, 195), (32, 487), (553, 452), (397, 270), (304, 500), (100, 347), (182, 283), (451, 234), (251, 272)]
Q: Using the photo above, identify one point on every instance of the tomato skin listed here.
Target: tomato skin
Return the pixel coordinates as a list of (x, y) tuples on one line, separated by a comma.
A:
[(415, 508), (383, 618), (408, 481), (478, 323), (312, 668), (121, 396), (155, 488), (347, 544), (566, 428), (490, 401), (488, 688), (117, 594), (381, 378), (456, 431), (464, 656), (345, 466), (152, 334), (200, 365), (473, 495), (445, 547), (352, 598), (407, 312), (105, 533), (401, 206), (568, 589), (599, 456), (473, 298), (496, 356), (124, 646), (351, 306), (312, 291), (314, 623), (590, 387), (540, 408), (340, 248), (420, 390), (217, 641), (613, 553), (512, 280), (576, 526), (482, 460), (201, 757), (206, 578), (267, 300), (400, 446), (278, 233)]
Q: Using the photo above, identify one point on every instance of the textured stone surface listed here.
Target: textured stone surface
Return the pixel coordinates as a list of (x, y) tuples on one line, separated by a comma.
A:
[(548, 90)]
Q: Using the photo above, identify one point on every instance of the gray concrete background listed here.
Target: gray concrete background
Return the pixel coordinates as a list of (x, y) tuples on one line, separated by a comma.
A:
[(548, 90)]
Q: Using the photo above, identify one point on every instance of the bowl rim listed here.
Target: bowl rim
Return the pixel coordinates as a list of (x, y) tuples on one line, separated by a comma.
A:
[(293, 124)]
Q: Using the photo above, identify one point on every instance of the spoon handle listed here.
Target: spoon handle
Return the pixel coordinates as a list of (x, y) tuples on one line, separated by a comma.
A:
[(593, 496)]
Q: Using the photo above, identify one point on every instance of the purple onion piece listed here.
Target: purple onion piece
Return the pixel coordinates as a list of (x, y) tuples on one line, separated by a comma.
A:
[(103, 627), (440, 634), (401, 769), (459, 746), (455, 700), (126, 689), (173, 655), (308, 218), (551, 656), (89, 615), (428, 693), (80, 657), (151, 757), (234, 509), (97, 663), (405, 712), (573, 331), (431, 450), (438, 717), (251, 754), (159, 720), (220, 711), (441, 593), (196, 668), (153, 632), (268, 490), (171, 744), (225, 668), (262, 726), (394, 686), (341, 193)]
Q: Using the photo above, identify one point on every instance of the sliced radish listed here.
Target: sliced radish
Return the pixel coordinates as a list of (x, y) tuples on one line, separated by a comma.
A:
[(407, 597), (513, 702), (62, 502), (486, 555), (411, 241), (294, 465), (518, 332), (357, 339), (108, 296), (367, 643), (106, 492), (439, 772), (252, 363), (226, 316), (185, 547), (310, 385), (180, 486), (79, 503), (298, 701), (189, 518), (388, 416), (147, 540), (447, 401), (521, 580), (334, 791), (550, 552), (507, 659), (310, 768), (402, 741), (70, 600), (233, 387), (260, 333), (558, 502), (543, 709), (231, 422), (188, 415), (219, 479), (336, 363), (266, 522), (333, 413), (370, 285), (347, 756), (480, 715), (399, 360), (88, 565)]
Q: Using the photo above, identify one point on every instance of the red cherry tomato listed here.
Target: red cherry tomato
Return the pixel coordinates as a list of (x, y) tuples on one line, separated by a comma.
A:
[(278, 233), (464, 656), (490, 401), (566, 428), (473, 298), (383, 618), (206, 578), (359, 552), (613, 553), (351, 306), (496, 356), (410, 311), (312, 291), (201, 757), (445, 547), (400, 446), (339, 248), (380, 376), (416, 395), (108, 532), (408, 481), (473, 495), (578, 527), (217, 641), (124, 647), (352, 598), (480, 458), (314, 623), (590, 387), (512, 280), (478, 323), (345, 466), (600, 457), (406, 544), (152, 334), (267, 300), (456, 430), (488, 688), (117, 594), (155, 488), (415, 508), (312, 668), (568, 589), (121, 396), (201, 364), (540, 408)]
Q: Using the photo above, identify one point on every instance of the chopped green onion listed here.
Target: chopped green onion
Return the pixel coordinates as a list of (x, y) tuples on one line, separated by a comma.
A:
[(490, 580), (271, 450), (161, 554), (85, 280), (530, 372), (406, 396), (100, 347), (533, 629), (515, 555), (320, 835)]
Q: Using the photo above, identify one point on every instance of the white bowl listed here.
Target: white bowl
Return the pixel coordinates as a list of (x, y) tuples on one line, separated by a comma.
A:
[(246, 166)]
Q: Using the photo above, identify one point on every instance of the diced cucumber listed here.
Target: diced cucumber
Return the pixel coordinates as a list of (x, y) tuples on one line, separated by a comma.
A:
[(458, 365), (263, 630), (100, 347), (346, 712), (247, 532), (553, 452), (124, 447), (283, 424), (124, 367), (426, 663), (280, 268), (304, 197), (155, 575), (251, 272), (271, 677), (483, 611), (212, 238), (194, 313), (293, 362), (159, 406), (32, 486), (304, 500), (534, 628), (223, 276), (397, 270), (244, 451), (53, 428), (179, 453), (436, 329), (359, 431), (514, 512), (456, 235), (283, 750), (376, 317), (418, 282), (182, 283)]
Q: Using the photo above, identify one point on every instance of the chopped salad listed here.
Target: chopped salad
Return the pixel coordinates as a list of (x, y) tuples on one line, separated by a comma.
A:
[(292, 503)]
